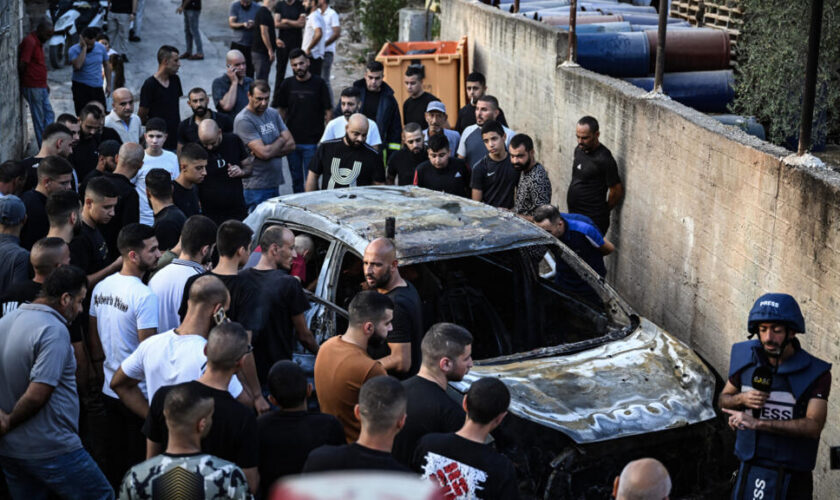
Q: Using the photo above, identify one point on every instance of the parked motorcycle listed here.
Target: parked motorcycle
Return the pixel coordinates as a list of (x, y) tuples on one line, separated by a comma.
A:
[(69, 19)]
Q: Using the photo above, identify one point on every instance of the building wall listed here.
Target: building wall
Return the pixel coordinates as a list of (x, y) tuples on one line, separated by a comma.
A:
[(712, 218), (12, 121)]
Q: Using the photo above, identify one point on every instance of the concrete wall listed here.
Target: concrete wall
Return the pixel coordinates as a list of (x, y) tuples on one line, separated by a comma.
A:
[(712, 217), (12, 120)]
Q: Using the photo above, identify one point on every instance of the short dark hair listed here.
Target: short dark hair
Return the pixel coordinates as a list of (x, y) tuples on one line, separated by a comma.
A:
[(487, 398), (492, 126), (53, 166), (66, 118), (273, 235), (232, 236), (99, 188), (45, 255), (90, 32), (90, 109), (416, 70), (475, 76), (287, 383), (60, 205), (11, 170), (444, 340), (375, 67), (544, 212), (438, 142), (490, 100), (132, 236), (198, 231), (65, 279), (109, 148), (208, 289), (226, 344), (260, 85), (368, 305), (184, 405), (102, 36), (382, 403), (165, 52), (192, 152), (590, 122), (520, 140), (351, 92), (411, 128), (54, 129), (159, 184), (196, 90), (156, 125), (295, 53)]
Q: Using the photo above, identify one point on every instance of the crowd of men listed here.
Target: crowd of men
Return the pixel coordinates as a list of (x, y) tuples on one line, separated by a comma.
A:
[(138, 337)]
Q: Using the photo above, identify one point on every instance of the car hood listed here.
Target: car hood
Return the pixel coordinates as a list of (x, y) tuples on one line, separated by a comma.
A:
[(647, 381)]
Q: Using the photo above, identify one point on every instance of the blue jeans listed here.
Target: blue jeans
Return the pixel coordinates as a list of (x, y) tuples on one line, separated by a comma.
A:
[(299, 163), (72, 475), (42, 112), (254, 197), (191, 30)]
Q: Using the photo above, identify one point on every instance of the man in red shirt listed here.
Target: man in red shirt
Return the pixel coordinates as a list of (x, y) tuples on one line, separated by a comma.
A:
[(33, 76)]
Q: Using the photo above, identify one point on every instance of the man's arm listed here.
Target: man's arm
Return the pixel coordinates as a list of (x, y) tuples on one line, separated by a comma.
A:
[(143, 113), (810, 426), (106, 68), (300, 22), (477, 194), (103, 273), (144, 333), (94, 345), (336, 32), (304, 335), (311, 181), (229, 99), (266, 38), (607, 248), (79, 61), (400, 358), (128, 390), (247, 166), (36, 396), (616, 193), (283, 112), (732, 399), (153, 449), (315, 39), (288, 143), (252, 475)]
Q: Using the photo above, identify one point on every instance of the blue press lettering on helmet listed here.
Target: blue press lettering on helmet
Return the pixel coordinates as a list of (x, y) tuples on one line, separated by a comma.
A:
[(776, 308)]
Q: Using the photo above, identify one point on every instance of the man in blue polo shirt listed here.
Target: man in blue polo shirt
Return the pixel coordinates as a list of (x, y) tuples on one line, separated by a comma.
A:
[(582, 237), (90, 61)]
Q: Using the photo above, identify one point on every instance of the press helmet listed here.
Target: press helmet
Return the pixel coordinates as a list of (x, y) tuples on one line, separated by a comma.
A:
[(776, 308)]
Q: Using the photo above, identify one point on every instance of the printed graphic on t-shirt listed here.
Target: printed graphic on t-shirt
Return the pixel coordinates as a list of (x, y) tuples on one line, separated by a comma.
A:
[(779, 405), (457, 480), (343, 176)]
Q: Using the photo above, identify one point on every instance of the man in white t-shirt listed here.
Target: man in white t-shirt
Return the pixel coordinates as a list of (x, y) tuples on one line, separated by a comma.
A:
[(350, 103), (176, 355), (198, 238), (332, 33), (314, 36), (156, 157), (123, 312)]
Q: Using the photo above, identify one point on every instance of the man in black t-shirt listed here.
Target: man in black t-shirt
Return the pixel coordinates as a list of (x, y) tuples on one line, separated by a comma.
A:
[(233, 435), (348, 161), (493, 177), (443, 172), (381, 410), (264, 40), (476, 87), (57, 140), (281, 302), (414, 107), (128, 207), (447, 357), (402, 163), (54, 174), (401, 356), (160, 93), (85, 157), (193, 164), (304, 104), (188, 129), (88, 249), (289, 18), (228, 161), (460, 462), (287, 435), (169, 219), (596, 187), (46, 256)]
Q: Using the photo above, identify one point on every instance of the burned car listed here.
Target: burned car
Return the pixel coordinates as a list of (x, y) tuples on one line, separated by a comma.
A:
[(592, 386)]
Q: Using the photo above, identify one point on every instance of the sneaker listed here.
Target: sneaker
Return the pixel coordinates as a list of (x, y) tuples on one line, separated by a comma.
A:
[(197, 57), (133, 38), (124, 58), (186, 55)]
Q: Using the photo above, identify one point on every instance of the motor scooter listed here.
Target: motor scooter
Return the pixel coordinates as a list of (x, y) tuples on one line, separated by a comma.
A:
[(70, 18)]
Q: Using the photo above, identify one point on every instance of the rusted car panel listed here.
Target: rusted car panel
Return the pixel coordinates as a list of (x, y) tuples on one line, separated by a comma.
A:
[(429, 225), (645, 382)]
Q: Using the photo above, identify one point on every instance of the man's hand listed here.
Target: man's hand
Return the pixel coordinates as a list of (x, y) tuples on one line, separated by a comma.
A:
[(740, 420), (261, 405), (4, 423), (754, 399), (280, 43), (231, 73), (271, 56), (179, 10), (235, 171)]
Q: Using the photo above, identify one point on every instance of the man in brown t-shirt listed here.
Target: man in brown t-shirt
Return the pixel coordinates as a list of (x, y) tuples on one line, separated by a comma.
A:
[(343, 365)]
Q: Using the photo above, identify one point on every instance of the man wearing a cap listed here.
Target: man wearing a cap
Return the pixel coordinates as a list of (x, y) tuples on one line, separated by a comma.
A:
[(437, 120), (14, 260), (107, 162)]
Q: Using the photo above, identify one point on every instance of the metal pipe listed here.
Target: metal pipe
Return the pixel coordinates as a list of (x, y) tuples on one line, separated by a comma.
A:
[(660, 47), (809, 93), (572, 32)]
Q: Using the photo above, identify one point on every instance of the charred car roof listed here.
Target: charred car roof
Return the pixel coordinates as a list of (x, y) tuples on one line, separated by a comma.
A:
[(429, 225)]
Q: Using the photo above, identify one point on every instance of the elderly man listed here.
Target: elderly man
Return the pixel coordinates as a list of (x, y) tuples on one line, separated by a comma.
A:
[(122, 118), (347, 161), (437, 121), (230, 91), (645, 478)]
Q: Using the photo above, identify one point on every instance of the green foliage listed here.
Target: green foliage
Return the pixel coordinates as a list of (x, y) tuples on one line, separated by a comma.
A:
[(380, 20), (772, 51)]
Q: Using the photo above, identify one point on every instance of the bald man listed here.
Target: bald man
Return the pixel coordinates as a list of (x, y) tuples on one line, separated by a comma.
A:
[(401, 357), (199, 104), (127, 209), (230, 91), (228, 161), (46, 256), (122, 118), (643, 479), (346, 162)]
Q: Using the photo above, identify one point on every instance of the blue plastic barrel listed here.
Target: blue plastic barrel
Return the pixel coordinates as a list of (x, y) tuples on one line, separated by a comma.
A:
[(653, 19), (682, 25), (746, 123), (586, 28), (617, 27), (614, 54), (619, 8), (706, 91)]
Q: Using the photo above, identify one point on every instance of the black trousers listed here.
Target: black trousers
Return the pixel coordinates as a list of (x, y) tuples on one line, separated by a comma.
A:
[(246, 51), (83, 94), (120, 440)]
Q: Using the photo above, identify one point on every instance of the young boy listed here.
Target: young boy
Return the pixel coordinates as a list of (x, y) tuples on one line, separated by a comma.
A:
[(156, 157), (193, 170)]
